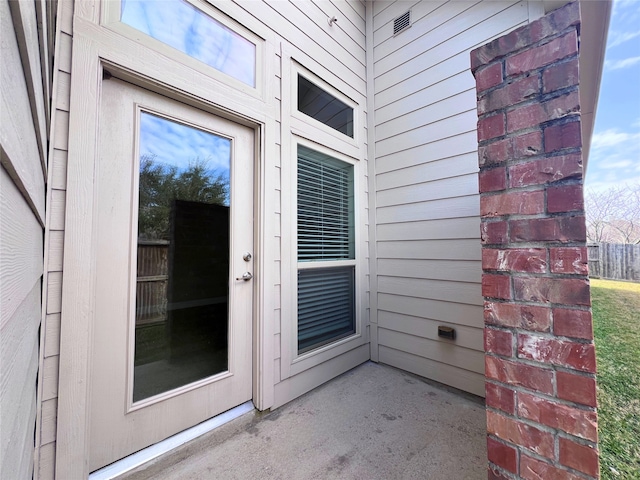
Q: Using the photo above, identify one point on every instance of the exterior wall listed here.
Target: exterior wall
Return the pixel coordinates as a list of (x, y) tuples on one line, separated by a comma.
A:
[(295, 32), (54, 245), (427, 207), (24, 105), (540, 355)]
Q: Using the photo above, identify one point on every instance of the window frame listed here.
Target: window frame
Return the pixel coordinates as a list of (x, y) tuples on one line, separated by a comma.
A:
[(303, 361), (300, 117), (110, 18), (326, 264)]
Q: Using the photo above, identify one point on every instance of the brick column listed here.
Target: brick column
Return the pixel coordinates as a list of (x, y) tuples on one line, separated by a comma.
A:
[(539, 353)]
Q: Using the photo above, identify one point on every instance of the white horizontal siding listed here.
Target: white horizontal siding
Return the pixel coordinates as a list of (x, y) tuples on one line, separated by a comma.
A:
[(448, 228), (24, 119), (427, 203)]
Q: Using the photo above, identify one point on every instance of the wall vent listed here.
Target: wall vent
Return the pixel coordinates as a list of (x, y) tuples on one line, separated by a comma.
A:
[(402, 22)]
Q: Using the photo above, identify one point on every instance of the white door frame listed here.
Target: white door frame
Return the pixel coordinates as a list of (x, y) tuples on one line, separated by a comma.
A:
[(94, 47)]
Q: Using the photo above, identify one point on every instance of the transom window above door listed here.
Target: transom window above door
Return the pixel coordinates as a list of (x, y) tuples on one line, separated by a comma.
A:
[(179, 24)]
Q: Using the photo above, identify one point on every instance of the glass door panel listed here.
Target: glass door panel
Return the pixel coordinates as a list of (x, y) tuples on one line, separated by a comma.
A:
[(182, 289)]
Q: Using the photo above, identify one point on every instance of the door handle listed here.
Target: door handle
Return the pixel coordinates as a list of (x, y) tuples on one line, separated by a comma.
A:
[(246, 276)]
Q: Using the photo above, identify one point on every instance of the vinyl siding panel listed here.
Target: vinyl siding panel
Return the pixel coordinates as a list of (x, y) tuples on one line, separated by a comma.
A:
[(427, 203), (24, 111), (54, 246)]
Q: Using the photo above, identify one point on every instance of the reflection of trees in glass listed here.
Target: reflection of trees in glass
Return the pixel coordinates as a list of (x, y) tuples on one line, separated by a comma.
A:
[(161, 184)]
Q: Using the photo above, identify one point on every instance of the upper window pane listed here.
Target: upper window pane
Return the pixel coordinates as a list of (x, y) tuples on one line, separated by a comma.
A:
[(325, 207), (324, 107), (182, 26)]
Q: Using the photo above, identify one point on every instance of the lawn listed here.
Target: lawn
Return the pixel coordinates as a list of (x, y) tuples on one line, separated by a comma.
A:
[(616, 321)]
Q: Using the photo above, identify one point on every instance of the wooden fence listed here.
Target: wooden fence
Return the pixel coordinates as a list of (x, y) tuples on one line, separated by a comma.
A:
[(615, 261), (151, 290)]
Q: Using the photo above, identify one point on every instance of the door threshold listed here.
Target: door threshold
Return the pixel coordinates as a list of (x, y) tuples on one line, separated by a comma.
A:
[(143, 456)]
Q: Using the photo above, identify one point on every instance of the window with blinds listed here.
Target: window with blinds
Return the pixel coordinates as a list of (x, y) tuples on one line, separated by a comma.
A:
[(326, 292), (325, 207)]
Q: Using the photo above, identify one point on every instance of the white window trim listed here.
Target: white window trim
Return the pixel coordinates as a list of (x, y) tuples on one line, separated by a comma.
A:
[(299, 362), (300, 128), (110, 19), (298, 69)]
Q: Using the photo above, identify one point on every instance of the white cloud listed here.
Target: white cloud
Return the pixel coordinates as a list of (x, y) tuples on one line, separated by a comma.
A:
[(614, 158), (612, 138), (619, 64), (618, 38)]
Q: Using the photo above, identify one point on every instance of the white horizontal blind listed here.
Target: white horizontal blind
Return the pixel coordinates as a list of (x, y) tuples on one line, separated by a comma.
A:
[(326, 305), (326, 295), (325, 207)]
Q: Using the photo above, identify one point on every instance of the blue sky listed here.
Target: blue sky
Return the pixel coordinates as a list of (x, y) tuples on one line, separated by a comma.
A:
[(191, 31), (179, 145), (615, 147)]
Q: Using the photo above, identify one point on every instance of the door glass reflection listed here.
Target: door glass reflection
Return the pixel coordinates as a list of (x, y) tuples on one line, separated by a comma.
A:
[(182, 289)]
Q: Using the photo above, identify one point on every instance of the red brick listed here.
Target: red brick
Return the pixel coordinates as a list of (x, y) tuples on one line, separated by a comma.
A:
[(504, 456), (558, 229), (488, 76), (534, 114), (560, 76), (579, 389), (492, 180), (498, 342), (496, 152), (580, 457), (520, 434), (528, 317), (494, 474), (566, 291), (534, 469), (510, 94), (579, 356), (512, 203), (565, 198), (496, 286), (534, 58), (493, 233), (545, 170), (520, 374), (532, 260), (558, 137), (491, 127), (572, 323), (557, 21), (527, 145), (569, 260), (574, 421), (500, 398)]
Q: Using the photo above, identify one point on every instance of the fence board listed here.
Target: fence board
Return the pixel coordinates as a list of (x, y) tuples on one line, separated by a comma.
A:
[(614, 261)]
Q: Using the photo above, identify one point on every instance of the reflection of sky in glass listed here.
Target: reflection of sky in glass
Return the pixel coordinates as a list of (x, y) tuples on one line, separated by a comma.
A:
[(174, 144), (182, 26)]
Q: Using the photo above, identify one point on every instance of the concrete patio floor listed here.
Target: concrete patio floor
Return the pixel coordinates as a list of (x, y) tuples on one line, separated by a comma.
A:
[(373, 422)]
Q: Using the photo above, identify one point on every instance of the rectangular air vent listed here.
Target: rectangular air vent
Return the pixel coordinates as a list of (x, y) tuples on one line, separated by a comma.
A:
[(402, 22)]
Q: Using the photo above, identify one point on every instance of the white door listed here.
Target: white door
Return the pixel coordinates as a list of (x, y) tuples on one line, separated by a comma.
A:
[(173, 321)]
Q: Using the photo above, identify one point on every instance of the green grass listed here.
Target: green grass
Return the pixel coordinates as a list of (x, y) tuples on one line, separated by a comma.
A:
[(616, 320)]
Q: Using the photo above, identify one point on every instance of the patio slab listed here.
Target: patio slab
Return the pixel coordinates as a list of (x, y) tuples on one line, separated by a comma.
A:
[(373, 422)]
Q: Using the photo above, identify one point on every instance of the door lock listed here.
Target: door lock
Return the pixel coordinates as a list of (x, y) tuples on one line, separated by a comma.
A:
[(246, 276), (246, 256)]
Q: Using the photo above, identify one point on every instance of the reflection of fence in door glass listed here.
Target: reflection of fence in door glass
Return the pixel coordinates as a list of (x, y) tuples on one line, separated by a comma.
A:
[(183, 256)]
